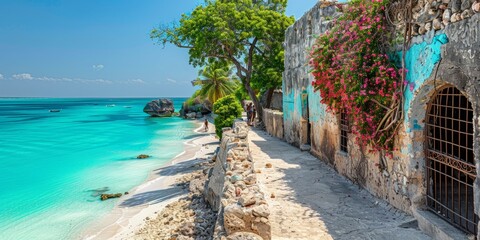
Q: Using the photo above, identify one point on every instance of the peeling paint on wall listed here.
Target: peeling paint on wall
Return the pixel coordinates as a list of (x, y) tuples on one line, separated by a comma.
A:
[(420, 61)]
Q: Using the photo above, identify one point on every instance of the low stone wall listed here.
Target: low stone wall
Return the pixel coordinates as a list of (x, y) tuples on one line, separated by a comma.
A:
[(233, 191), (273, 120)]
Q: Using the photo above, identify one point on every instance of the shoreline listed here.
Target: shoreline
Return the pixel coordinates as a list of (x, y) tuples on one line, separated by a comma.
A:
[(158, 190)]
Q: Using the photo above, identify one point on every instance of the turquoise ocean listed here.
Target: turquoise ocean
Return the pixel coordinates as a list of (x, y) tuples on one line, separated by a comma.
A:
[(53, 165)]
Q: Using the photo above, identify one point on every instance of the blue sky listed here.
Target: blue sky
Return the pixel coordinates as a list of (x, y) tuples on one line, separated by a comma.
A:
[(91, 48)]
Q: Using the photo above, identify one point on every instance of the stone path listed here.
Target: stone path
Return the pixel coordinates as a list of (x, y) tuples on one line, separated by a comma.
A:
[(311, 201)]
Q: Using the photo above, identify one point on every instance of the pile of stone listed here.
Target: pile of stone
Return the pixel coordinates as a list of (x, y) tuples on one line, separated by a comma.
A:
[(232, 188), (436, 14), (189, 218)]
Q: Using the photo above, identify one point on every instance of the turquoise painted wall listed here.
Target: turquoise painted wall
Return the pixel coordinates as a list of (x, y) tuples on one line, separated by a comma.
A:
[(317, 109), (420, 62)]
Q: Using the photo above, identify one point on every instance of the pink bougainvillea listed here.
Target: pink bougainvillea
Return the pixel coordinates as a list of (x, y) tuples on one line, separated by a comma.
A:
[(353, 73)]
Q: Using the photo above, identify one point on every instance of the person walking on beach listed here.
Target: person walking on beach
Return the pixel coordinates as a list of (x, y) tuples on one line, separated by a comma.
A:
[(206, 125), (253, 114), (249, 113)]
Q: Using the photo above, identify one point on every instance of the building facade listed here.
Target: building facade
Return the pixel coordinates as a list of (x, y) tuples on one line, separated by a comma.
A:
[(434, 174)]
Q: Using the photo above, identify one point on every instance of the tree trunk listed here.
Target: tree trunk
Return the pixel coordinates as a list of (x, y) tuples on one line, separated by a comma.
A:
[(254, 98), (269, 97)]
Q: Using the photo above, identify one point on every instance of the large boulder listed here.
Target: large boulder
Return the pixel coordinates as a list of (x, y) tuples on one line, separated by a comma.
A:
[(201, 109), (159, 108)]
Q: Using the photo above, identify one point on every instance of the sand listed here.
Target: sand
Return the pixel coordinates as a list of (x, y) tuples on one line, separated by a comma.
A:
[(150, 198)]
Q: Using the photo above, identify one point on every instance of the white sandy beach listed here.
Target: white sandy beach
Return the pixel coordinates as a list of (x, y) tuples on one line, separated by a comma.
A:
[(146, 200)]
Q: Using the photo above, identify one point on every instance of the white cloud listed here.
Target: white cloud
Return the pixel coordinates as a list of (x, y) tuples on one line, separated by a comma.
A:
[(94, 81), (98, 67), (171, 80), (27, 76), (1, 76), (23, 76), (136, 81)]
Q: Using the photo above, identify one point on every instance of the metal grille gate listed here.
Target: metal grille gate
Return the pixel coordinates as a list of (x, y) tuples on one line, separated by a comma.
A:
[(450, 162)]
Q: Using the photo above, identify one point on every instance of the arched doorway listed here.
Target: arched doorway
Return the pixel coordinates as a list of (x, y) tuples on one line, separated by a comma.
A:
[(450, 162)]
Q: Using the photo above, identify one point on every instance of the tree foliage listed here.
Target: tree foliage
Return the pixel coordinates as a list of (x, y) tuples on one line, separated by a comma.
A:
[(216, 81), (245, 33), (227, 110)]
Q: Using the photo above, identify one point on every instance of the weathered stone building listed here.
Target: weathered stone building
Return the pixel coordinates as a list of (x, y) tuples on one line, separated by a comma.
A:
[(433, 175)]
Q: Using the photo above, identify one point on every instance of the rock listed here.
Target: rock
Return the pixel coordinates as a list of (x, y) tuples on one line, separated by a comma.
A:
[(261, 211), (428, 26), (447, 14), (268, 165), (455, 17), (199, 115), (247, 200), (143, 156), (106, 196), (236, 178), (455, 5), (232, 220), (187, 229), (203, 108), (272, 195), (125, 193), (467, 13), (200, 106), (160, 108), (421, 29), (476, 7), (191, 115), (244, 236), (238, 191), (250, 179), (465, 5), (437, 25)]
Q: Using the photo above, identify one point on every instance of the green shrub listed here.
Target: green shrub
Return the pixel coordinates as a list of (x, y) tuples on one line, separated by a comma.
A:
[(227, 110)]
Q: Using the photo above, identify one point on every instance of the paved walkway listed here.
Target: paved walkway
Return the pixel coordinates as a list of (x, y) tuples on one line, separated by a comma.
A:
[(311, 201)]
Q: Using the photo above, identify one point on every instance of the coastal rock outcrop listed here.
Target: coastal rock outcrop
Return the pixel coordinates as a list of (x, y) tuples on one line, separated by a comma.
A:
[(197, 110), (106, 196), (160, 108), (143, 156)]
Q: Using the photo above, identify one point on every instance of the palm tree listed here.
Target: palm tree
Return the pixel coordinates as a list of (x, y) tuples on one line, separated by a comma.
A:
[(216, 81)]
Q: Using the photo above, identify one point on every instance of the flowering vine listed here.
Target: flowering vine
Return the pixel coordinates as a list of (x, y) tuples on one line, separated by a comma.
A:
[(353, 73)]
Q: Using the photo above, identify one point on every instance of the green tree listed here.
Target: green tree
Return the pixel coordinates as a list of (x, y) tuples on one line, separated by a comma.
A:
[(227, 110), (216, 81), (238, 32)]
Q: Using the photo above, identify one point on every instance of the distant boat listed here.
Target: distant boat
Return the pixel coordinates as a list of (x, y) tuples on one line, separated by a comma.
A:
[(54, 110), (111, 105), (127, 106)]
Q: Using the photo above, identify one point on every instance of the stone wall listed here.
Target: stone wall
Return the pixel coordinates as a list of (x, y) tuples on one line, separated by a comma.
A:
[(273, 120), (436, 15), (448, 56), (276, 101), (232, 189)]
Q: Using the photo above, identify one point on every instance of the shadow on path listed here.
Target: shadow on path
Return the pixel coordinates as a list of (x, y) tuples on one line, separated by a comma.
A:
[(153, 197), (314, 202)]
